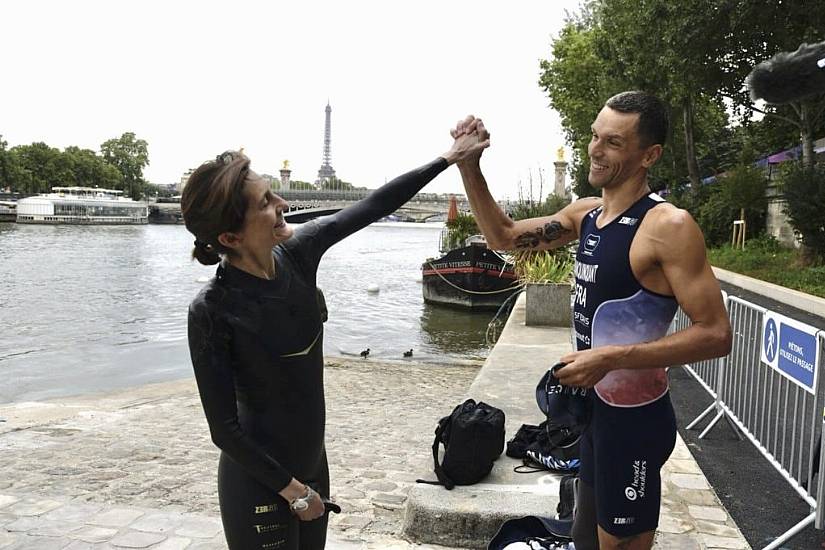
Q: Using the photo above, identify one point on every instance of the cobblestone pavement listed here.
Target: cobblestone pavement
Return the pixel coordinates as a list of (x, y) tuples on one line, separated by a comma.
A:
[(136, 468)]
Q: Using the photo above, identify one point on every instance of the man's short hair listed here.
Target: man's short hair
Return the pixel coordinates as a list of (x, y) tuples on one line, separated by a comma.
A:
[(653, 115)]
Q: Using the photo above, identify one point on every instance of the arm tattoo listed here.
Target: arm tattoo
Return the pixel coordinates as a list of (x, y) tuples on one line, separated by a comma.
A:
[(550, 232)]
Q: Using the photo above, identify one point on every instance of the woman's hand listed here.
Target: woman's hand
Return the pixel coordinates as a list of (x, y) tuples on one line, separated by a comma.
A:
[(297, 490), (470, 139), (316, 509)]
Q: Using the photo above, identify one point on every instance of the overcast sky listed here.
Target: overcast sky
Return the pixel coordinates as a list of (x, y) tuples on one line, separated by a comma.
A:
[(196, 78)]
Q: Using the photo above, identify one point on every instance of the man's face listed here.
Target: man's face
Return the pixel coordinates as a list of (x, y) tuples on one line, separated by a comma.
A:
[(615, 151)]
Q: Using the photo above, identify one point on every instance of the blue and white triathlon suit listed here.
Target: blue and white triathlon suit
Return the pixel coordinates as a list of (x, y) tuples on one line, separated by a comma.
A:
[(633, 429)]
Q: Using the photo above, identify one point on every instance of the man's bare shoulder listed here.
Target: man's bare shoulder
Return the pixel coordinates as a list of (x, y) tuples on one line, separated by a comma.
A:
[(577, 209), (673, 227), (667, 218), (586, 203)]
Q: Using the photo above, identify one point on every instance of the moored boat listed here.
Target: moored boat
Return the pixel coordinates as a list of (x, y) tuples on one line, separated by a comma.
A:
[(81, 206), (470, 276), (8, 211)]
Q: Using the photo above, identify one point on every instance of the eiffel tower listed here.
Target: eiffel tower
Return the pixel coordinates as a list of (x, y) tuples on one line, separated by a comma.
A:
[(326, 172)]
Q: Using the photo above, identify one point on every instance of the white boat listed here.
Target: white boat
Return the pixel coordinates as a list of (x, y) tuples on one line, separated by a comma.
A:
[(81, 206), (8, 211)]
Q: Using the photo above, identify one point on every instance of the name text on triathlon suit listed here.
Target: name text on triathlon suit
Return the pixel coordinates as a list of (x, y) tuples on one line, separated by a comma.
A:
[(586, 273)]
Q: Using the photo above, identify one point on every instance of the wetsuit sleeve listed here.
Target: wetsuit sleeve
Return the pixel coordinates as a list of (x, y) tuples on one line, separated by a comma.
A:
[(313, 238), (209, 349)]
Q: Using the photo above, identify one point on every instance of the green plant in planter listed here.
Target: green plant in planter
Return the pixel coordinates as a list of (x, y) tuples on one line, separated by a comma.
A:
[(544, 266), (546, 276), (460, 228)]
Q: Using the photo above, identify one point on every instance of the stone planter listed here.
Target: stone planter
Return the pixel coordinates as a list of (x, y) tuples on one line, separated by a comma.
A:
[(548, 304)]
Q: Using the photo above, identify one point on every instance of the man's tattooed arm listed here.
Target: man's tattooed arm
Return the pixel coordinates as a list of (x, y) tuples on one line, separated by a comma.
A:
[(550, 232)]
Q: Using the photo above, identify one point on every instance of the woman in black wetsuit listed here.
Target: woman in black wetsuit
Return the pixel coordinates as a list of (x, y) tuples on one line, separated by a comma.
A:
[(256, 342)]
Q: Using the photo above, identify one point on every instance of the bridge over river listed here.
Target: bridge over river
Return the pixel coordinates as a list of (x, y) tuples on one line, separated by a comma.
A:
[(307, 204)]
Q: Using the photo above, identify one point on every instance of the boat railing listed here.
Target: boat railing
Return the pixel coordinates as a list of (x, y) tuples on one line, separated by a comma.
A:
[(447, 241)]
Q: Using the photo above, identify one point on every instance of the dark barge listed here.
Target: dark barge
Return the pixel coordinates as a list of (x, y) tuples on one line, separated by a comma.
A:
[(471, 276)]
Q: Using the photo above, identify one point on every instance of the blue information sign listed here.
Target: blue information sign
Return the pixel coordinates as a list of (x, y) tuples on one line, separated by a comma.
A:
[(791, 348)]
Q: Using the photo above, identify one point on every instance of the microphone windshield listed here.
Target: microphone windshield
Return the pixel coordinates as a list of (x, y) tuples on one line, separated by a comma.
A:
[(790, 76)]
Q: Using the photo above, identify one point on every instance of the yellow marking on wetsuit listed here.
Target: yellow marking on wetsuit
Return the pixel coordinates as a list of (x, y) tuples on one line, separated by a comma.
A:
[(307, 350), (266, 508)]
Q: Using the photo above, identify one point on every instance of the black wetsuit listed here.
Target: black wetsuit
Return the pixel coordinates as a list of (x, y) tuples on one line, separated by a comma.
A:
[(257, 351)]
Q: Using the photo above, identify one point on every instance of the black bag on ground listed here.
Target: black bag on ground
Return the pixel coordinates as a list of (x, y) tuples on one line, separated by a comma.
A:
[(537, 532), (549, 446), (473, 438)]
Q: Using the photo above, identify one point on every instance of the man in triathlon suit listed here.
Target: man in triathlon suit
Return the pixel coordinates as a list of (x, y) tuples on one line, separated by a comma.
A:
[(638, 259)]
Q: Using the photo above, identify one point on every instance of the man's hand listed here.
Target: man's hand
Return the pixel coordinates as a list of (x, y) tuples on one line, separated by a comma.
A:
[(584, 369), (466, 129)]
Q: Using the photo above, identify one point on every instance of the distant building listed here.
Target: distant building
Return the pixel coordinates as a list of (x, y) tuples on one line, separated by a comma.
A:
[(183, 179)]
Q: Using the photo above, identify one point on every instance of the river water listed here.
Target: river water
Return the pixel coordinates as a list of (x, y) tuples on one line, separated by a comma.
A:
[(87, 309)]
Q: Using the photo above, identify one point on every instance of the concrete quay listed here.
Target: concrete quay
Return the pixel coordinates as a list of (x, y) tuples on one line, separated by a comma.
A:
[(692, 516), (136, 468)]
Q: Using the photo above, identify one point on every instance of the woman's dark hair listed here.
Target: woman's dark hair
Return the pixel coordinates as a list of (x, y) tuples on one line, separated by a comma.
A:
[(213, 202), (653, 115)]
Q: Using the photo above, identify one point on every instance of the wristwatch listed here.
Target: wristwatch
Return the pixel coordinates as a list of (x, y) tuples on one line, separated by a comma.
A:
[(302, 503)]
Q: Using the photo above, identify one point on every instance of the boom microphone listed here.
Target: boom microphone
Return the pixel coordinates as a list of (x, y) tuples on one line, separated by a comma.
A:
[(790, 76)]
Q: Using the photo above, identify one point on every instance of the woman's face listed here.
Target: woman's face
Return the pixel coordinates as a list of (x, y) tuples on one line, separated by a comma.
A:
[(264, 225)]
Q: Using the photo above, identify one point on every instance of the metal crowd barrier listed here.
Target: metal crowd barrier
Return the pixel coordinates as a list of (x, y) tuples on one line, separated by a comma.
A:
[(783, 419)]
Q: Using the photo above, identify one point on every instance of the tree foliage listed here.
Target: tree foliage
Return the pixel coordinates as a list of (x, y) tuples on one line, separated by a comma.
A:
[(129, 155), (299, 185), (695, 55), (336, 184), (37, 167), (741, 191), (804, 190)]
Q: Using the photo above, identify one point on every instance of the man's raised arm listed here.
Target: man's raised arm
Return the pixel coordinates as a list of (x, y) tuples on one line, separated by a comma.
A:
[(501, 232)]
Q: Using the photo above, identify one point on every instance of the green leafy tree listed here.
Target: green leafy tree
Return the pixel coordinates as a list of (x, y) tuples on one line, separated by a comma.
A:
[(577, 82), (5, 164), (678, 51), (90, 170), (790, 24), (695, 55), (39, 167), (336, 184), (738, 194), (804, 190), (159, 190), (299, 185), (129, 155)]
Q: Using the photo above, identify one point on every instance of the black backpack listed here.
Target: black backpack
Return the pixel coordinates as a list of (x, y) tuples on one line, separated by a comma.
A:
[(473, 438)]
